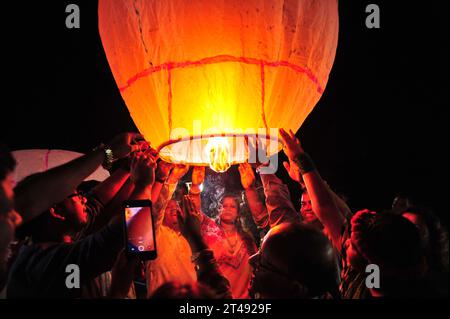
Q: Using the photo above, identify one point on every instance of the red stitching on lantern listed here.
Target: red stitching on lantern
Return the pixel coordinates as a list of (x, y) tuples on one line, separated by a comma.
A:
[(263, 94), (169, 97), (222, 59)]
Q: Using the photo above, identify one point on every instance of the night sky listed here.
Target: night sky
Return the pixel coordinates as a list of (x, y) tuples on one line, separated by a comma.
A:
[(381, 126)]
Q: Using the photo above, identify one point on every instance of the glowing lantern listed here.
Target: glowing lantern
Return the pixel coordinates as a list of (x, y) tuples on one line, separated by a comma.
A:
[(199, 75)]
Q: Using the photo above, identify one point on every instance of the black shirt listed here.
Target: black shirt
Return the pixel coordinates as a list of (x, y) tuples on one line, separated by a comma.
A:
[(40, 269)]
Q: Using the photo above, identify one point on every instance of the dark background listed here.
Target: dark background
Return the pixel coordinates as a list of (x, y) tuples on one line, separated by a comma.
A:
[(380, 127)]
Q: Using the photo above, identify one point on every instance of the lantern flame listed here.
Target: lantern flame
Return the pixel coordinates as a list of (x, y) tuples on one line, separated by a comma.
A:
[(218, 152)]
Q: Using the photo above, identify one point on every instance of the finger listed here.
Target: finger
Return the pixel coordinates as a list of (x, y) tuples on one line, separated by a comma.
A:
[(136, 137), (133, 161), (292, 134), (192, 206), (286, 166), (284, 135), (180, 218), (185, 205), (153, 158), (134, 148), (153, 152)]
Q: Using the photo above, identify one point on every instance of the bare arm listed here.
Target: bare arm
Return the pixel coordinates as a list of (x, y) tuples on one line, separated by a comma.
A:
[(166, 192), (322, 200), (40, 191), (257, 208), (207, 269), (160, 204), (324, 206), (162, 174), (109, 188), (114, 206)]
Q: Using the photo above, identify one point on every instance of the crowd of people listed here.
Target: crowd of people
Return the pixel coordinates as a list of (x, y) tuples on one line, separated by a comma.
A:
[(53, 219)]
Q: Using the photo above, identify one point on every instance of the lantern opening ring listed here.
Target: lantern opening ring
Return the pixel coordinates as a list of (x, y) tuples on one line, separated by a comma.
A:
[(206, 137)]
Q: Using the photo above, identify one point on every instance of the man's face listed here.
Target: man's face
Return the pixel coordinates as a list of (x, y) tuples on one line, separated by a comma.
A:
[(8, 216), (73, 208), (170, 215), (9, 220), (306, 209), (6, 195)]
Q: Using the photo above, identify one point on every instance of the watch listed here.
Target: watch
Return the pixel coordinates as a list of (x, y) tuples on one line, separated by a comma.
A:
[(109, 156)]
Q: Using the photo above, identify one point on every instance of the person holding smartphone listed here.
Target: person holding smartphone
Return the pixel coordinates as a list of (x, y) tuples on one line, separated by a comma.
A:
[(45, 262)]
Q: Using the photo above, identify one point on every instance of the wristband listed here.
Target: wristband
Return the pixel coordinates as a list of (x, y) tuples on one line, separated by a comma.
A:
[(304, 163), (195, 190), (109, 156)]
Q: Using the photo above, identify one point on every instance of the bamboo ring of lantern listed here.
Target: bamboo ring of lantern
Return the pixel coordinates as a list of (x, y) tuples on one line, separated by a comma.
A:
[(221, 150), (198, 75)]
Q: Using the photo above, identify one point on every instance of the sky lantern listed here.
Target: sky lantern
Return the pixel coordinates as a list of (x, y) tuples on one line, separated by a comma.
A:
[(199, 76)]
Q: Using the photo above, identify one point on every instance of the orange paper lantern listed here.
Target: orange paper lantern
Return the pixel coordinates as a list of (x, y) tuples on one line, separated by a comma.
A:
[(199, 75)]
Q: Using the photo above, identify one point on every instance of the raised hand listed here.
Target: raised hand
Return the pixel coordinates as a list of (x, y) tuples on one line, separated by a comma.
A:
[(163, 170), (178, 172), (143, 169), (189, 219), (256, 151), (125, 143), (291, 145), (198, 175), (293, 171), (247, 175)]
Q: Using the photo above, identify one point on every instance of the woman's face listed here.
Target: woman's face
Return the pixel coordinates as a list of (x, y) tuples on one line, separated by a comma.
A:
[(229, 210)]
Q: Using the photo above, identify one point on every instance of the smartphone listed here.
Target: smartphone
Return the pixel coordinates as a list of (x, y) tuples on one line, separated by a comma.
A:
[(139, 229)]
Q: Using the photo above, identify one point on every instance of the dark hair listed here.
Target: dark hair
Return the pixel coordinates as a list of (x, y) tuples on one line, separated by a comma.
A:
[(245, 235), (87, 186), (7, 161), (34, 228), (388, 240), (310, 260), (437, 248)]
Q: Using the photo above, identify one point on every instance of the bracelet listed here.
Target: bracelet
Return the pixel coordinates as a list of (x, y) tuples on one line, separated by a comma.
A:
[(109, 156), (304, 163), (191, 192)]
